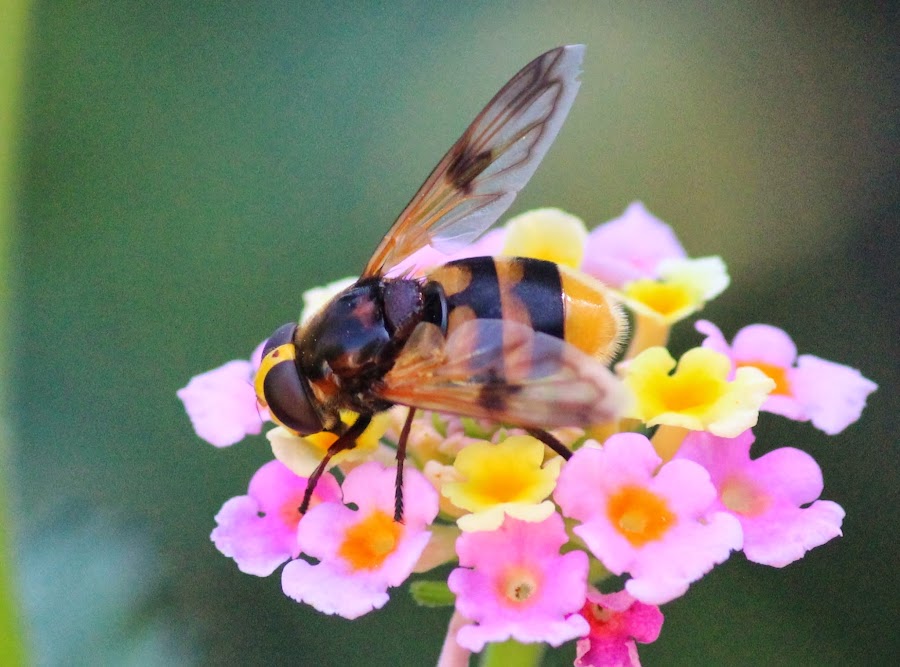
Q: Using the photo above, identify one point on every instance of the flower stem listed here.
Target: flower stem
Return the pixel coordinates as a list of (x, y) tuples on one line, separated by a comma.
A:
[(512, 654)]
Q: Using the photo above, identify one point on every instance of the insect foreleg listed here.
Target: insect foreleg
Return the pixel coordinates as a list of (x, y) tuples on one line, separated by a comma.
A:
[(401, 457), (347, 440)]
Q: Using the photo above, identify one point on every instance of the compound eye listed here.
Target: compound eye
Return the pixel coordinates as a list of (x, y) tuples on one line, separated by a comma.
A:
[(281, 388), (283, 335)]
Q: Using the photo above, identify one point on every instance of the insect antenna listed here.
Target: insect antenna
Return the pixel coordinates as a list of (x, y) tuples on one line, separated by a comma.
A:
[(401, 458), (551, 442), (347, 440)]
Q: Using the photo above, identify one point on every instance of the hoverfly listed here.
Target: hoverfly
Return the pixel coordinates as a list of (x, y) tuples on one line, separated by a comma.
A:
[(516, 340)]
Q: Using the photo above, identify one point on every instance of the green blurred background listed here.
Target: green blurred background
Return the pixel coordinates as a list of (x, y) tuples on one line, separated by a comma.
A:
[(184, 170)]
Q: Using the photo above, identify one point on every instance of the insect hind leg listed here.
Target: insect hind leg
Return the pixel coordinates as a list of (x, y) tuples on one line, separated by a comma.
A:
[(401, 458)]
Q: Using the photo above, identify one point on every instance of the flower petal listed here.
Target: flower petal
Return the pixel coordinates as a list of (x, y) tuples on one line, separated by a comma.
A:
[(221, 404)]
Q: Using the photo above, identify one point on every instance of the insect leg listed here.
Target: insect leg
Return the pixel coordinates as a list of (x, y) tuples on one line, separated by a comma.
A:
[(401, 457), (551, 442), (347, 440)]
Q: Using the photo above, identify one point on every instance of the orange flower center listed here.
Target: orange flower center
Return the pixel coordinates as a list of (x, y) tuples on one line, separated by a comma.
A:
[(518, 586), (641, 516), (777, 373), (368, 543)]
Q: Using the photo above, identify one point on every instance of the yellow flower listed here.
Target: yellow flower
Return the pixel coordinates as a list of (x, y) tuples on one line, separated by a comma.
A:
[(302, 455), (502, 479), (698, 396), (684, 286), (547, 233)]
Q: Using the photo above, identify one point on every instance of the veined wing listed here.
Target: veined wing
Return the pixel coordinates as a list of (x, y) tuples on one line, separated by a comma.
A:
[(481, 174), (503, 371)]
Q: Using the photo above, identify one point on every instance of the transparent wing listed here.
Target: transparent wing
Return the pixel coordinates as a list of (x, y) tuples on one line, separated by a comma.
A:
[(503, 371), (481, 174)]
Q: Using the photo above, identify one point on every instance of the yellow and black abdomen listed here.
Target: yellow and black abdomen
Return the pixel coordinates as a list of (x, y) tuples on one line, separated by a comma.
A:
[(553, 299)]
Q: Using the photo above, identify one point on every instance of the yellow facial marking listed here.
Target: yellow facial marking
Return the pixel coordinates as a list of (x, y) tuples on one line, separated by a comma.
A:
[(280, 354)]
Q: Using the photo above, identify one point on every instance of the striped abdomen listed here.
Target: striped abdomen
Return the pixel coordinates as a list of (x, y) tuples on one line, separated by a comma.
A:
[(547, 297)]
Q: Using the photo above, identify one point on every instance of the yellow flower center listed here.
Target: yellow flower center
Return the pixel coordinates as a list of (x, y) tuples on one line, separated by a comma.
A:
[(777, 373), (639, 515), (506, 472), (689, 389), (367, 543), (518, 586), (741, 496), (664, 298)]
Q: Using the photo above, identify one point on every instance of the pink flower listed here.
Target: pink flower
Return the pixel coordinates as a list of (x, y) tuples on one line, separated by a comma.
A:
[(361, 552), (656, 525), (830, 395), (630, 247), (617, 620), (221, 403), (519, 586), (767, 496), (427, 257), (259, 530)]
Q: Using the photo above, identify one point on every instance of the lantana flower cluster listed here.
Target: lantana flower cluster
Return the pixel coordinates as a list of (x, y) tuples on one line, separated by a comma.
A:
[(541, 545)]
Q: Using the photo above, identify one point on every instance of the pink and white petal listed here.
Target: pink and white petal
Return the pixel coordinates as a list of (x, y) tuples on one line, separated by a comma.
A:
[(719, 456), (489, 551), (474, 637), (786, 533), (594, 471), (323, 529), (420, 262), (715, 339), (330, 591), (371, 486), (834, 394), (221, 404), (552, 631), (786, 406), (686, 487), (664, 569), (564, 587), (257, 544), (274, 484), (427, 257), (476, 598), (399, 565), (764, 343), (630, 247), (486, 246), (607, 544), (789, 473)]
